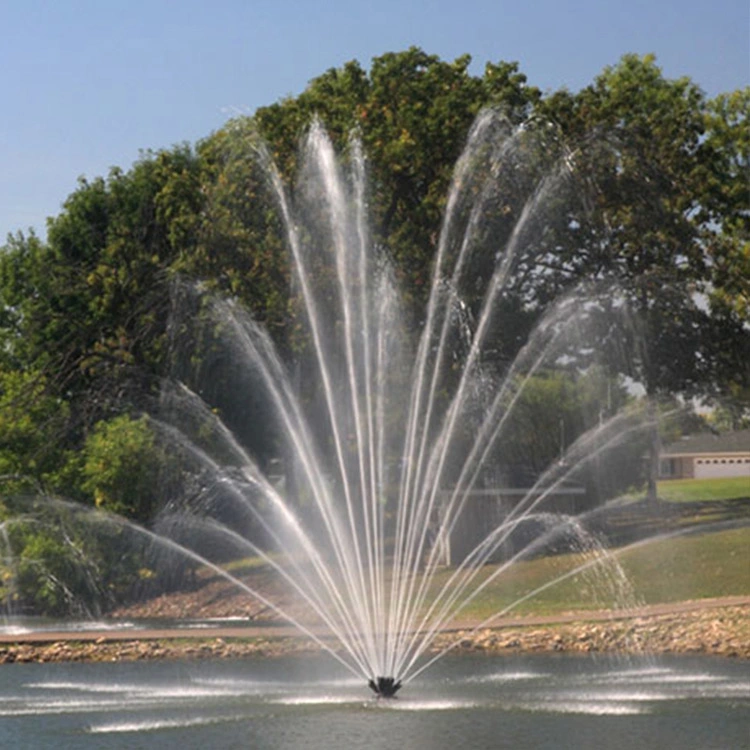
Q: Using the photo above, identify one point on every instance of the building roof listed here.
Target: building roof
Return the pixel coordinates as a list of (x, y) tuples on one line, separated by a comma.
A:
[(708, 442)]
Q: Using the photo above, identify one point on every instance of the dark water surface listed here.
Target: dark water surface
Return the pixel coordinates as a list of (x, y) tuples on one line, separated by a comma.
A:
[(462, 702)]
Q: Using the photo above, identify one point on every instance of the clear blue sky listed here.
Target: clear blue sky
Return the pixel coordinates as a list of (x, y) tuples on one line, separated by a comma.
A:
[(86, 84)]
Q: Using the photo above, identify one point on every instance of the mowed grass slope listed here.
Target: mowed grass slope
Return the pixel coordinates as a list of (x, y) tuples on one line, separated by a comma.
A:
[(693, 566), (700, 563), (690, 490), (706, 555)]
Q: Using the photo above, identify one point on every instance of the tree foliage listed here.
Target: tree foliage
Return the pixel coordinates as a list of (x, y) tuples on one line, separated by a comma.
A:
[(412, 112), (31, 422), (647, 163), (121, 467)]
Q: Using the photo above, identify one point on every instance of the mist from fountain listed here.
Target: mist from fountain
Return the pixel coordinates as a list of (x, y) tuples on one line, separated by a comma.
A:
[(400, 435)]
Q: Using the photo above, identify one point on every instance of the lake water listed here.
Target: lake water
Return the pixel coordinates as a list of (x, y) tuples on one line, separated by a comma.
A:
[(462, 702)]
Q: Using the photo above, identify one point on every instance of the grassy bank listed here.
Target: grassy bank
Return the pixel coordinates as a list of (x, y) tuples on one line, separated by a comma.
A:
[(706, 557), (691, 490), (695, 566)]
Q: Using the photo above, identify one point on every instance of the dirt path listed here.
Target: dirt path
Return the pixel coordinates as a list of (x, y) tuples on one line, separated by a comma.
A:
[(271, 630)]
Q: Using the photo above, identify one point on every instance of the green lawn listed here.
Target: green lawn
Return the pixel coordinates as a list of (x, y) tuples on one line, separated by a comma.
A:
[(694, 566), (697, 566), (687, 490)]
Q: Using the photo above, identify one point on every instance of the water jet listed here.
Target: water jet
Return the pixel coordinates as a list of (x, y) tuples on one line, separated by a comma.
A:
[(395, 438), (405, 468)]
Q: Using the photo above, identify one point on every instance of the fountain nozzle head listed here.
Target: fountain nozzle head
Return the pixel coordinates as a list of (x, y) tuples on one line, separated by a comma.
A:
[(385, 687)]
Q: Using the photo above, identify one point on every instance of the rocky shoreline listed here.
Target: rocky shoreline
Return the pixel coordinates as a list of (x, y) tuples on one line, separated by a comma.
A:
[(720, 630)]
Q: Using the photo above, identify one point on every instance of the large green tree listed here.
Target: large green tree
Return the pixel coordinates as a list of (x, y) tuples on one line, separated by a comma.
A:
[(88, 308), (656, 202), (664, 171)]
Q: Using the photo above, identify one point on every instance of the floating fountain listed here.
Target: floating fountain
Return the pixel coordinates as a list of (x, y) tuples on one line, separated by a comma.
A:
[(392, 428)]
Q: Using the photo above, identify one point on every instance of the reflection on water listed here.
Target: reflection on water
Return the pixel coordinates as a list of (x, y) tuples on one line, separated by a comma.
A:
[(491, 702)]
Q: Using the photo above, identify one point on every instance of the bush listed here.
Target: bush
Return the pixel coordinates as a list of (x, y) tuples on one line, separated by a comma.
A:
[(121, 467)]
